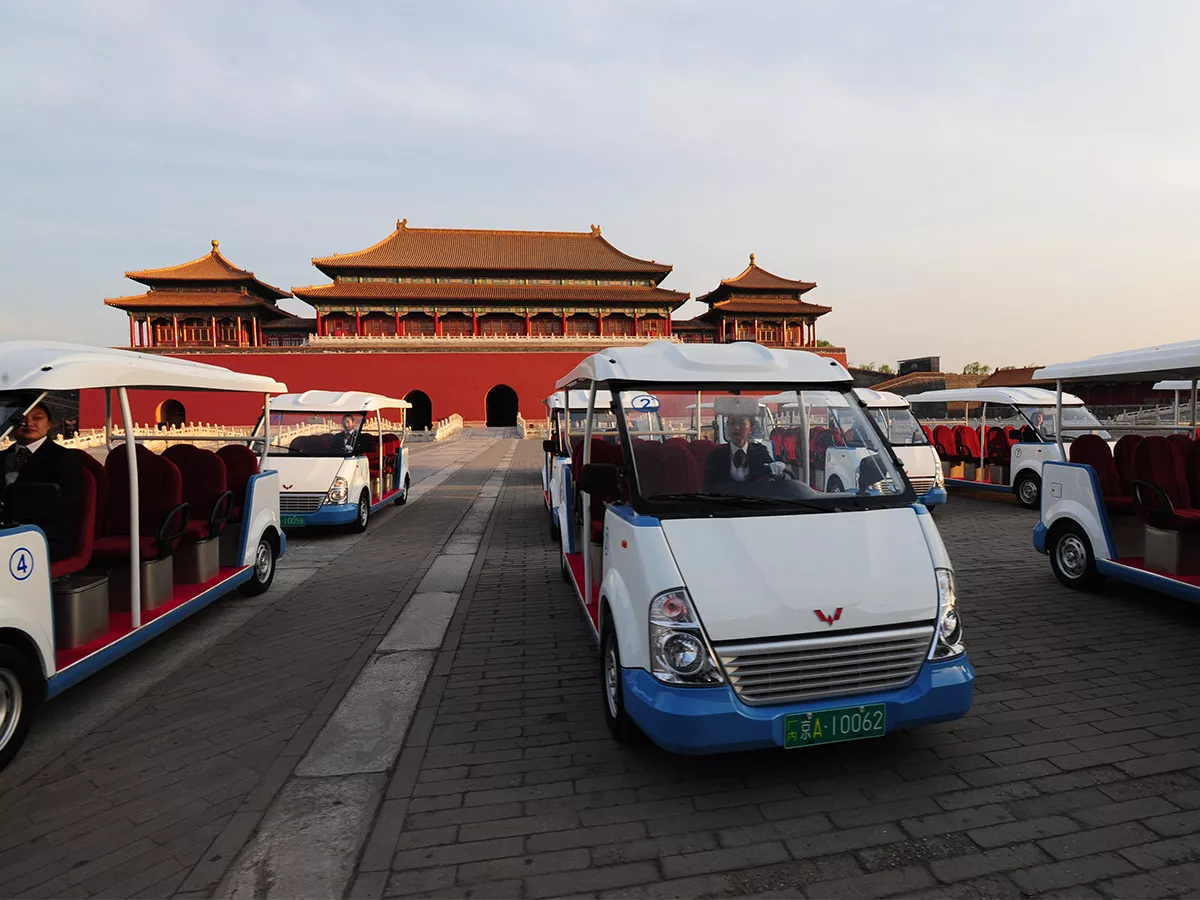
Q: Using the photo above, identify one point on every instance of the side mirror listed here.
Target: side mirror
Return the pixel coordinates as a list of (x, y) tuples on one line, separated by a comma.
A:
[(599, 479), (549, 446), (870, 471)]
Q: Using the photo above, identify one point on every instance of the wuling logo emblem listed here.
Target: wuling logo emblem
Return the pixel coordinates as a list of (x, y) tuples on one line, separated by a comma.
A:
[(287, 487), (828, 620)]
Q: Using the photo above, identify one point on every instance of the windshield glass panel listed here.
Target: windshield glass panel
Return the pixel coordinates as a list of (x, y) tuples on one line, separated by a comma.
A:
[(899, 426), (1077, 420), (325, 434), (798, 450)]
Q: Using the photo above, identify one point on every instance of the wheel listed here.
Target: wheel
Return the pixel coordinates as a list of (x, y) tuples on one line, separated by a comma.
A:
[(834, 486), (1071, 557), (21, 692), (403, 498), (610, 683), (1029, 490), (264, 569), (361, 515)]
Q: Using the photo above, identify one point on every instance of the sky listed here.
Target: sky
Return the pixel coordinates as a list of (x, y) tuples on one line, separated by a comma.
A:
[(1010, 183)]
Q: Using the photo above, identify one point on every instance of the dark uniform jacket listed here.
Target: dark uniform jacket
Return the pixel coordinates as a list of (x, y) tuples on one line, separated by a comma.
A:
[(54, 465)]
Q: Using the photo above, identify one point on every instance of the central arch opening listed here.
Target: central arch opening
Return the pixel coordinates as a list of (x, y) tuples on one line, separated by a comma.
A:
[(170, 414), (420, 417), (501, 406)]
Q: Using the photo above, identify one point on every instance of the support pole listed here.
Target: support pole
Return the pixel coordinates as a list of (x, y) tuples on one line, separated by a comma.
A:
[(266, 433), (135, 556), (1062, 453), (175, 329), (1193, 406)]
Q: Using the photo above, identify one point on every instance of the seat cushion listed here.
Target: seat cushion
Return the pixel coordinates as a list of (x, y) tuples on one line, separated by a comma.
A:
[(115, 547), (1121, 506), (197, 530)]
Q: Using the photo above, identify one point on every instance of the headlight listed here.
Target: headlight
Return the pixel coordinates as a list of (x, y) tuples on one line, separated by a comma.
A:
[(338, 491), (679, 652), (939, 477), (950, 630)]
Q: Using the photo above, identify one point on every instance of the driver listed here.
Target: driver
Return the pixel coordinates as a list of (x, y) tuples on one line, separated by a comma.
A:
[(741, 459), (349, 434)]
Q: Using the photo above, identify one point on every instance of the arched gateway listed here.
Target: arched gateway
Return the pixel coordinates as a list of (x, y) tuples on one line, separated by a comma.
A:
[(501, 403), (420, 417)]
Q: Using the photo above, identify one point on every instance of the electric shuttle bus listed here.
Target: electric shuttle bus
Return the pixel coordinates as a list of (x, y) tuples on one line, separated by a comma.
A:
[(736, 604)]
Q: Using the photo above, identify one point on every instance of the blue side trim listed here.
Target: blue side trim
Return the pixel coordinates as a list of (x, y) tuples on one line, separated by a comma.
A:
[(244, 542), (1160, 584), (979, 485), (89, 665), (935, 497), (391, 498), (568, 487), (920, 509), (282, 544), (713, 720), (329, 514), (1039, 537), (626, 513), (1097, 496)]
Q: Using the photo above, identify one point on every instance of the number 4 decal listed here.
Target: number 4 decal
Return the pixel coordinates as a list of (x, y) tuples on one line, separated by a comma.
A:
[(20, 564)]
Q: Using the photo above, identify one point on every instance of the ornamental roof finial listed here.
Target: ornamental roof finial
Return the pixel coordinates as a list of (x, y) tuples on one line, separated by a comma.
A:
[(401, 224), (215, 244), (595, 231), (752, 263)]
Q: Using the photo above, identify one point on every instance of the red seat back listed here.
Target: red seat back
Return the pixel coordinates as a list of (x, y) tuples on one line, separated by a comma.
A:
[(1182, 444), (204, 481), (160, 490), (1193, 473), (928, 433), (650, 459), (85, 533), (1123, 456), (241, 464), (1156, 461), (791, 443), (100, 482), (968, 442), (683, 475), (701, 449), (998, 448), (943, 440), (1092, 450)]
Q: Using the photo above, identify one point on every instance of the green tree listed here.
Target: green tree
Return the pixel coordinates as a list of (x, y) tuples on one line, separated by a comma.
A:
[(823, 343), (887, 370), (976, 368)]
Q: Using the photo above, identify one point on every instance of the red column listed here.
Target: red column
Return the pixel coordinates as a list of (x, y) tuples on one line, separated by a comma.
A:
[(132, 333), (213, 333), (635, 323), (397, 321), (668, 324), (526, 323), (564, 323), (319, 322), (175, 328), (600, 323), (254, 332), (437, 324), (357, 322), (474, 323), (241, 343), (756, 331)]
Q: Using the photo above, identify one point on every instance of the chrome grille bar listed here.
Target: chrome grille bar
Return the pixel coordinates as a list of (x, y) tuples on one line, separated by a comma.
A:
[(814, 668), (298, 504)]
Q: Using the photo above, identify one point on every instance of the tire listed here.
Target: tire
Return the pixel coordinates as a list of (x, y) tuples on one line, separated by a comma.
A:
[(834, 486), (1071, 557), (1028, 489), (361, 515), (612, 691), (21, 693), (403, 498), (263, 569)]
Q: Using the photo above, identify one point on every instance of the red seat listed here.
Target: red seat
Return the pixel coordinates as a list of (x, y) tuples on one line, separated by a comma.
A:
[(100, 478), (1182, 444), (1092, 450), (999, 451), (967, 440), (777, 441), (650, 459), (1123, 456), (944, 442), (683, 475), (1028, 435), (241, 464), (823, 439), (1161, 486), (701, 448), (1193, 473), (85, 534), (204, 491), (162, 514), (928, 433)]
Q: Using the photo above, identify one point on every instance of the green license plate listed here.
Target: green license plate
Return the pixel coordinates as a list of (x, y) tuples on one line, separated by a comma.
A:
[(828, 726), (285, 521)]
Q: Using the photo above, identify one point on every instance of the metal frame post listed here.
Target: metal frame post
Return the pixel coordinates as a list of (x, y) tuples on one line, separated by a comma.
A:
[(135, 555)]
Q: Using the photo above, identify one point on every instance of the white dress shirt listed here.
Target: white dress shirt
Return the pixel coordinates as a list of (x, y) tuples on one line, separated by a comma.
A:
[(736, 472)]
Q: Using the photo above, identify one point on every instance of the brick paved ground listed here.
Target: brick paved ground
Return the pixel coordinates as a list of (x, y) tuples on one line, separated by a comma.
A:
[(160, 798), (1077, 773)]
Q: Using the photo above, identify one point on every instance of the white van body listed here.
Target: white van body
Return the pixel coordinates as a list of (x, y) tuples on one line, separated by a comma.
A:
[(1149, 539), (726, 565), (338, 488), (35, 664)]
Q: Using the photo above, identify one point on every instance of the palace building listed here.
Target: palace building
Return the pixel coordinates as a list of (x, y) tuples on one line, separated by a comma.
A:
[(475, 322)]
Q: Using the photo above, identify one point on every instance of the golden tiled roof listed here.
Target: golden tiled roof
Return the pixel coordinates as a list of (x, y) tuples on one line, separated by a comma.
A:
[(786, 306), (172, 300), (212, 266), (378, 292), (754, 278), (466, 249)]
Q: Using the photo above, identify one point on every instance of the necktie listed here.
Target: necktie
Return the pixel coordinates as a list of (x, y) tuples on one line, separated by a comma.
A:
[(24, 454), (739, 458)]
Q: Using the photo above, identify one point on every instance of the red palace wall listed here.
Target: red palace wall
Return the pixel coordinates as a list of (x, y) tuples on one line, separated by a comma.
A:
[(455, 382)]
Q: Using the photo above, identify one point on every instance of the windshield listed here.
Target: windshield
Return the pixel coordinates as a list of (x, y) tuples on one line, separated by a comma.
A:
[(729, 449), (320, 434), (899, 426), (1077, 420)]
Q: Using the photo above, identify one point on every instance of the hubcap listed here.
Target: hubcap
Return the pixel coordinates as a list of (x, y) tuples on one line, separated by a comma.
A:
[(11, 701), (362, 512), (610, 679), (262, 562), (1072, 556), (1028, 491)]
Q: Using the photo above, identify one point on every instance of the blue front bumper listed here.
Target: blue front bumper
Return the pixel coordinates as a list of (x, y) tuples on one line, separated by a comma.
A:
[(934, 496), (328, 514), (713, 720)]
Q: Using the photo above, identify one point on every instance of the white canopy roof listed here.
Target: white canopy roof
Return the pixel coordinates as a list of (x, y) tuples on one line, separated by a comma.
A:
[(1163, 361), (55, 366), (1174, 385), (1019, 396), (335, 402), (743, 362), (881, 399)]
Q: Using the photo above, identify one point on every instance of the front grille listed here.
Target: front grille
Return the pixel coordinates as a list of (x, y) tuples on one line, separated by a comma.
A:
[(299, 504), (814, 668), (922, 485)]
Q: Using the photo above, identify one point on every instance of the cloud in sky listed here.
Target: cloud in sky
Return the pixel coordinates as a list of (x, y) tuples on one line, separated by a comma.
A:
[(1005, 182)]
